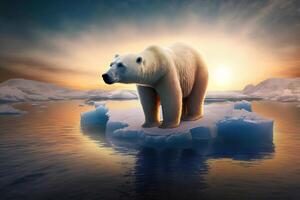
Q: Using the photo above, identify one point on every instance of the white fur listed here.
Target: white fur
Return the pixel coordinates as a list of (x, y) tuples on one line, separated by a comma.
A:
[(175, 77)]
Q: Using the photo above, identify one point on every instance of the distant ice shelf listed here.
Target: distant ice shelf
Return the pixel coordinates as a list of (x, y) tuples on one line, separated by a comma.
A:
[(9, 110), (275, 89), (227, 121), (22, 90)]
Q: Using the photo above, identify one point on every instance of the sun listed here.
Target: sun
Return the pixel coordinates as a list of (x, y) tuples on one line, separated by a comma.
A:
[(222, 76)]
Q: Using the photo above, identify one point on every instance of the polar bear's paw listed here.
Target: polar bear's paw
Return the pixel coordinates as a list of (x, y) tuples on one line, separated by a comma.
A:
[(168, 125), (191, 117), (150, 124)]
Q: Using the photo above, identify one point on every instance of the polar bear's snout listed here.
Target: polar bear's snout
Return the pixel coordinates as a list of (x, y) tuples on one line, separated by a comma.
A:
[(107, 79)]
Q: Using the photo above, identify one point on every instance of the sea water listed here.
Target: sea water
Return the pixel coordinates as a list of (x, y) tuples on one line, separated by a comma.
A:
[(46, 154)]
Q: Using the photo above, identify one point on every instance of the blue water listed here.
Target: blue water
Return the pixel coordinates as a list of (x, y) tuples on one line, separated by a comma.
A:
[(45, 154)]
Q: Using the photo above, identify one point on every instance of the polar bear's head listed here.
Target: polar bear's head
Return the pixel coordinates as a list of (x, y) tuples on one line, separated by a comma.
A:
[(144, 68), (124, 69)]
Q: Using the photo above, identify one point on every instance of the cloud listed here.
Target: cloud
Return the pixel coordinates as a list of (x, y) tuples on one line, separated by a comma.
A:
[(24, 64), (250, 37), (293, 71)]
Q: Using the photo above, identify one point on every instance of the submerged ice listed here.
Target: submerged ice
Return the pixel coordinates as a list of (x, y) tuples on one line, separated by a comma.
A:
[(228, 121)]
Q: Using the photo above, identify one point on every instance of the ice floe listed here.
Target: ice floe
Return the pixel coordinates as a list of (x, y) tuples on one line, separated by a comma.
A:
[(223, 120)]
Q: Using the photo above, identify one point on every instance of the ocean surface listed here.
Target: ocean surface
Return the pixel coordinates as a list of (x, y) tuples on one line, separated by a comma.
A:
[(46, 154)]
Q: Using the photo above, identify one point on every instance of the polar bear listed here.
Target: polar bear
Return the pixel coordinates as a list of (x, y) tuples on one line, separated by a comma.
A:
[(175, 78)]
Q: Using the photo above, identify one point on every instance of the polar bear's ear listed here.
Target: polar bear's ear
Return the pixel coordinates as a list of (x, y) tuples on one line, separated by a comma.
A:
[(139, 60)]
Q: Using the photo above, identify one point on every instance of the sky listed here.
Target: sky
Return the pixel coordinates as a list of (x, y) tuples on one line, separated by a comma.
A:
[(71, 43)]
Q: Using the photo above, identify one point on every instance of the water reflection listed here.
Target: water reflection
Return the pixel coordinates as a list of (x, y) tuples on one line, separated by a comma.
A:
[(96, 133), (169, 174)]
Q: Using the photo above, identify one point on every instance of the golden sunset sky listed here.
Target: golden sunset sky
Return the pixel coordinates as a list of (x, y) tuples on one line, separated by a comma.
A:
[(71, 43)]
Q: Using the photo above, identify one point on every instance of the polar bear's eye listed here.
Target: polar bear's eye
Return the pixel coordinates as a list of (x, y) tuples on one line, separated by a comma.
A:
[(120, 65), (139, 60)]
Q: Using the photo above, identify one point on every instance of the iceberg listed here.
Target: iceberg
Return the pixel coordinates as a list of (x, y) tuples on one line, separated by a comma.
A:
[(276, 89), (226, 121), (94, 118), (242, 125), (246, 105), (9, 110)]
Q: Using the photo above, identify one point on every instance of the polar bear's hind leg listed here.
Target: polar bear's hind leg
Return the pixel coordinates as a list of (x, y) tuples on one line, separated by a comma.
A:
[(193, 104)]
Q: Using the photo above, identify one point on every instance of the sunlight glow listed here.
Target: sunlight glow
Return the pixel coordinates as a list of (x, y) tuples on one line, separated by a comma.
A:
[(222, 76), (233, 60)]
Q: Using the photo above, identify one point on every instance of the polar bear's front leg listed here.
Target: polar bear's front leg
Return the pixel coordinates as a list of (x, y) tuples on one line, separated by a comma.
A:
[(171, 101), (150, 103)]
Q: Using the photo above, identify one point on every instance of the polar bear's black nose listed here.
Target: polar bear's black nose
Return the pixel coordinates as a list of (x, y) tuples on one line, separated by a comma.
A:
[(107, 79)]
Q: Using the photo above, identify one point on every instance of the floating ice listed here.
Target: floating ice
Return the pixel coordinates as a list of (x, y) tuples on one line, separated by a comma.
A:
[(244, 125), (81, 104), (217, 96), (219, 121), (97, 117), (246, 105), (9, 110), (99, 103)]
